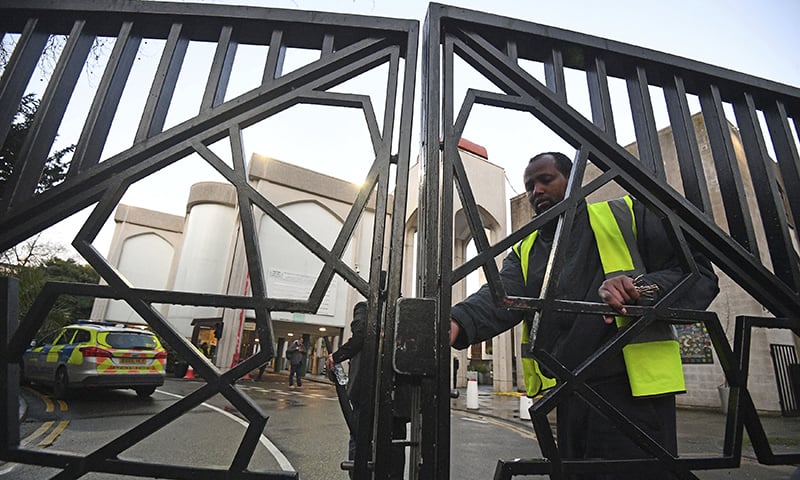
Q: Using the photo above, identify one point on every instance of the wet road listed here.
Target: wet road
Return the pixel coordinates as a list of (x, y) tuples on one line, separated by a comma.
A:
[(305, 431)]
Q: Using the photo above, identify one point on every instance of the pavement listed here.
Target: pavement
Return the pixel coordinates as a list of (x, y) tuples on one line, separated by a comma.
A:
[(700, 432)]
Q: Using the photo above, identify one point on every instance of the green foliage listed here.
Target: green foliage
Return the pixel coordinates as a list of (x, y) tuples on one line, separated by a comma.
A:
[(70, 271), (73, 308), (31, 281), (477, 366), (57, 165), (35, 263), (67, 308)]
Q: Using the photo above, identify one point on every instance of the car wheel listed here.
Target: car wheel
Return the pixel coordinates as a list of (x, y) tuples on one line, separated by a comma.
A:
[(144, 392), (61, 383)]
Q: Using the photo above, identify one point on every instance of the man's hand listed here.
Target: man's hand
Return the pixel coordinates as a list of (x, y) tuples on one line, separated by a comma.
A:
[(454, 331), (329, 362), (616, 293)]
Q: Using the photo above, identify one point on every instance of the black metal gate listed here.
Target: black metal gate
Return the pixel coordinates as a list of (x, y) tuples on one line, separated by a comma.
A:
[(346, 47), (675, 187)]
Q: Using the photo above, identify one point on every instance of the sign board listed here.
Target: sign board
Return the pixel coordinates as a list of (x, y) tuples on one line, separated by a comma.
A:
[(297, 286)]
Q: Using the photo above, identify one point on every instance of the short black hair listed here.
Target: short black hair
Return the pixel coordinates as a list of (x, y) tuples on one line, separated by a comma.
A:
[(563, 163)]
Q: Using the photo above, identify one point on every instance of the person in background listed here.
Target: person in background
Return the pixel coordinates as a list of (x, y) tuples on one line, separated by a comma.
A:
[(296, 354), (263, 367), (351, 350), (455, 372), (617, 253), (358, 388)]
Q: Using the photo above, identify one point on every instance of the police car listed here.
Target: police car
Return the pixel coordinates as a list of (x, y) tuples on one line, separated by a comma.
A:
[(96, 355)]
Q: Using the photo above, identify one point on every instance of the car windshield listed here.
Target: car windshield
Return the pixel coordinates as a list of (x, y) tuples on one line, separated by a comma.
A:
[(134, 341)]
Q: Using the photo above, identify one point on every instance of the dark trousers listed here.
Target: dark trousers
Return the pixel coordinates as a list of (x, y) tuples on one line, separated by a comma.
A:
[(583, 433), (398, 460), (294, 372)]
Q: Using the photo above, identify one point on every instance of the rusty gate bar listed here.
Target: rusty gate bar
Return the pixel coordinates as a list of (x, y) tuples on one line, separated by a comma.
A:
[(494, 46), (349, 46)]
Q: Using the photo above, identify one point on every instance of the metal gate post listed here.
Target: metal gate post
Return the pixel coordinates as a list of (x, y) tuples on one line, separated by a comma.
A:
[(434, 256), (9, 372)]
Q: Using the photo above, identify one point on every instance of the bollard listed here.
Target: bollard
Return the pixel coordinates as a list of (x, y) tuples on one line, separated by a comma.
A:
[(525, 404), (472, 390)]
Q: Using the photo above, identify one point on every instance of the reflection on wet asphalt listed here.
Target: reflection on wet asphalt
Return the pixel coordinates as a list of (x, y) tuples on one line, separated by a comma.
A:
[(283, 399)]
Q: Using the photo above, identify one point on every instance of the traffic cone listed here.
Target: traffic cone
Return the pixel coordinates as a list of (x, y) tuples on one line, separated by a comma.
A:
[(235, 362), (189, 373)]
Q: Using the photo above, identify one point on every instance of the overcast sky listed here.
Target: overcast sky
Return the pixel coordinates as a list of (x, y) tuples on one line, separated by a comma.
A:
[(752, 36), (755, 37)]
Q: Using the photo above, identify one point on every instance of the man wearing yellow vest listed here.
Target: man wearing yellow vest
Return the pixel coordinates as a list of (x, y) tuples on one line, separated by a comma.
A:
[(617, 253)]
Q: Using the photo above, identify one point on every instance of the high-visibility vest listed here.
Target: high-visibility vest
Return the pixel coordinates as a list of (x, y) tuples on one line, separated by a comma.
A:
[(535, 380), (653, 358)]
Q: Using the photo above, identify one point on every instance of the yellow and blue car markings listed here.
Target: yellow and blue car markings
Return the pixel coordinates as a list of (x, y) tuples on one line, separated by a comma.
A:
[(95, 359), (63, 354), (71, 354)]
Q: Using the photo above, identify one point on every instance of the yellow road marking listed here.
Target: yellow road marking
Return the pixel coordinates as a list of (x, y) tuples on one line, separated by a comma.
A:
[(40, 431), (62, 425), (49, 406), (493, 421), (48, 402)]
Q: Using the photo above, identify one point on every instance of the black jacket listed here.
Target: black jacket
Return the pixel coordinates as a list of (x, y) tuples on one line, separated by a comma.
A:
[(351, 350), (574, 337), (296, 353)]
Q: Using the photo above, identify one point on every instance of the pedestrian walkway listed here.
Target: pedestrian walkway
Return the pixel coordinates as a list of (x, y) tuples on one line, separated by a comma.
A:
[(700, 434)]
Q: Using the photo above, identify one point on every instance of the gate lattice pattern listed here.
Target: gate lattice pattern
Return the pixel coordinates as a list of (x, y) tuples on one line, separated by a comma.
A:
[(495, 47), (347, 47), (503, 50)]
